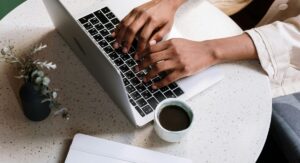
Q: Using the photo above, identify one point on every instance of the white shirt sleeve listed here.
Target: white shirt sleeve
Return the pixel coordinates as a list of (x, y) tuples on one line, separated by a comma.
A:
[(278, 48)]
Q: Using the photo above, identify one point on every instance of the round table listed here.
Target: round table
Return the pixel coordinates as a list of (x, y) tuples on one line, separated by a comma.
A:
[(232, 118)]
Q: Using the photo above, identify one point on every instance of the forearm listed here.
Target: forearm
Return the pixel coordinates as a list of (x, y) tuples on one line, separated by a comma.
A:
[(234, 48)]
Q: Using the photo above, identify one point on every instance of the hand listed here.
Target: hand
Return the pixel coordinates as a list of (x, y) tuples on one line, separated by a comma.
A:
[(179, 57), (149, 22)]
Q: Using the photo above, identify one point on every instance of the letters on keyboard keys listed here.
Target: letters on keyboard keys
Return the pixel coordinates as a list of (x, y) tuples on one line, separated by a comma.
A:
[(103, 43), (159, 96), (146, 94), (101, 17), (178, 91), (141, 102), (140, 111), (153, 102), (147, 109)]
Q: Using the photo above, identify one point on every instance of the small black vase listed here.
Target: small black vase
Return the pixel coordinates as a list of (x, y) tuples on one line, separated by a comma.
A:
[(32, 105)]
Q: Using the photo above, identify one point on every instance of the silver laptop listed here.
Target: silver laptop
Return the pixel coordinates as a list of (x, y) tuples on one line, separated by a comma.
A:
[(88, 33)]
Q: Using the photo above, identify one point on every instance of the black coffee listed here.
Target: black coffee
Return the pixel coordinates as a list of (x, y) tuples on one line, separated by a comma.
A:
[(174, 118)]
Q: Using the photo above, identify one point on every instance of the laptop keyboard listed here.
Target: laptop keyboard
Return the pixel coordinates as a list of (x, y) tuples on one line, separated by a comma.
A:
[(99, 25)]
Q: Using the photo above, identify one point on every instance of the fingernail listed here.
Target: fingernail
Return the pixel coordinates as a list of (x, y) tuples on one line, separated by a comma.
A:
[(144, 80), (154, 87), (125, 50), (113, 34), (152, 42), (116, 45), (137, 68)]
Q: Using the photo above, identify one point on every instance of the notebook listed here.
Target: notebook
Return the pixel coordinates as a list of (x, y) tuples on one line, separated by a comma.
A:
[(90, 149)]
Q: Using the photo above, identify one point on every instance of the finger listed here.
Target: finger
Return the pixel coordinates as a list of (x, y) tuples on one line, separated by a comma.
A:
[(145, 36), (170, 78), (160, 34), (122, 28), (153, 49), (133, 29), (154, 58), (158, 68)]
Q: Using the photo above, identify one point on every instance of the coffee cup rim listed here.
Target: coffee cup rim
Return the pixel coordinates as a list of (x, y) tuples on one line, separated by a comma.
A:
[(158, 110)]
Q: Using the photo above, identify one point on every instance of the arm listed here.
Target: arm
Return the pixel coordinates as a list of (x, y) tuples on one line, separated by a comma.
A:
[(278, 48)]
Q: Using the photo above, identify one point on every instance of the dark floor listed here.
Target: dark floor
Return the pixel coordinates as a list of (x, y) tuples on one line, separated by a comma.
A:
[(271, 153)]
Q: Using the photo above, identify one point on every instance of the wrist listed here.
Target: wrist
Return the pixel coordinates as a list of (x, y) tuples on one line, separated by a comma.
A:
[(175, 3), (215, 52)]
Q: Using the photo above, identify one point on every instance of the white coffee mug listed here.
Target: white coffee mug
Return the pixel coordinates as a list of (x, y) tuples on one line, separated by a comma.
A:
[(167, 135)]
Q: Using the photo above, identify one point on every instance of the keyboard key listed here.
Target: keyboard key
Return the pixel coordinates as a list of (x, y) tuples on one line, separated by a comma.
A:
[(147, 109), (141, 102), (178, 91), (147, 84), (130, 89), (129, 74), (131, 50), (159, 96), (110, 15), (93, 31), (130, 62), (125, 57), (118, 61), (102, 43), (135, 95), (105, 10), (164, 89), (140, 87), (86, 18), (152, 90), (173, 86), (98, 37), (109, 26), (140, 75), (113, 56), (135, 81), (156, 79), (125, 81), (146, 94), (88, 26), (132, 102), (101, 17), (115, 21), (99, 27), (109, 38), (108, 49), (140, 111), (104, 32), (170, 94), (123, 68), (94, 21), (153, 102)]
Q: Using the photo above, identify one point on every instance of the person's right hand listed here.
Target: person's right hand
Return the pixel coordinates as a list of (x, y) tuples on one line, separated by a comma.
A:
[(149, 22)]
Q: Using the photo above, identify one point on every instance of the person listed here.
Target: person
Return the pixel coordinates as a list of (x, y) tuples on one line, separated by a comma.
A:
[(275, 42)]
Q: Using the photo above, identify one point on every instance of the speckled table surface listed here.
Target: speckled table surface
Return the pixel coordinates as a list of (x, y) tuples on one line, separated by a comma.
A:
[(231, 119)]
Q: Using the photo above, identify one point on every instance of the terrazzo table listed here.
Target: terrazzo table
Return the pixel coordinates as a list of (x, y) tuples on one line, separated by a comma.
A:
[(231, 119)]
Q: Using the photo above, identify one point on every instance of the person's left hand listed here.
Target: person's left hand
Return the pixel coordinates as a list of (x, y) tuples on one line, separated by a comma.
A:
[(179, 57)]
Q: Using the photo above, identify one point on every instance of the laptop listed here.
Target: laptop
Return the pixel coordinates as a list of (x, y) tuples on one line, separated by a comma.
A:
[(88, 33), (86, 148)]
